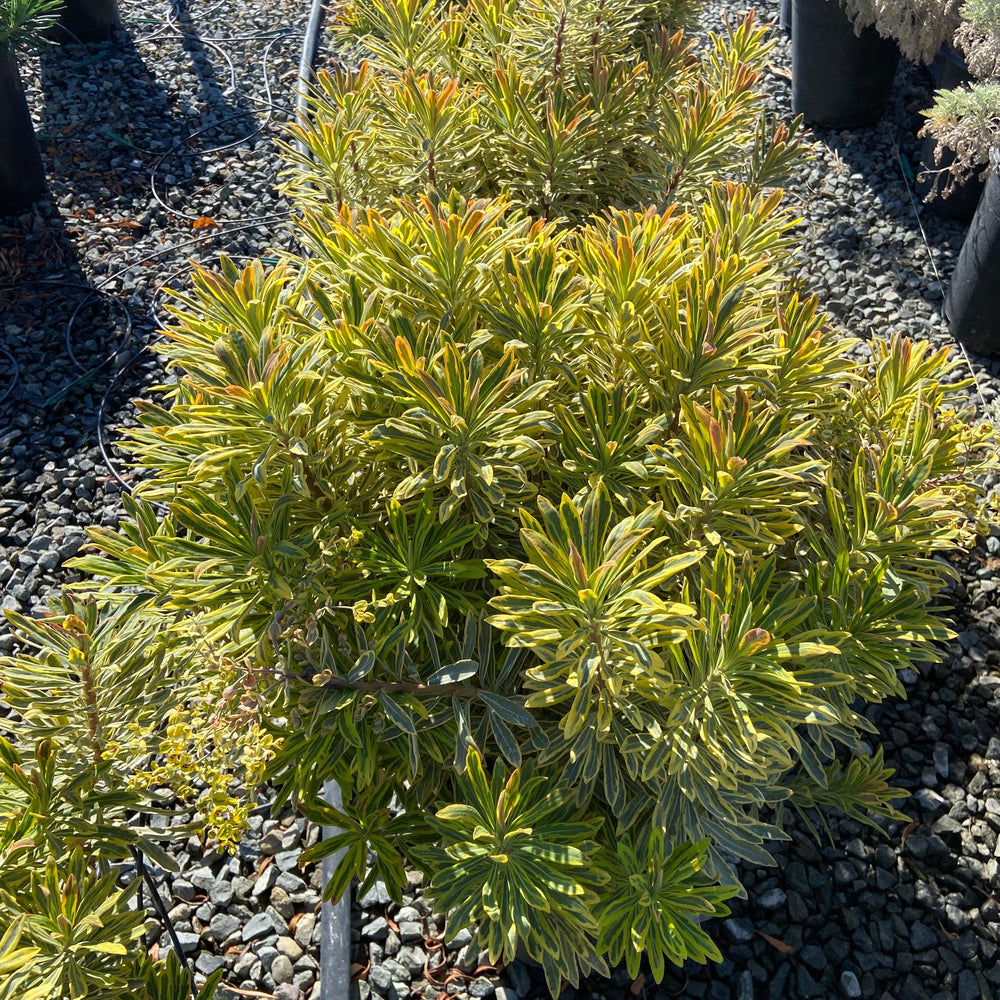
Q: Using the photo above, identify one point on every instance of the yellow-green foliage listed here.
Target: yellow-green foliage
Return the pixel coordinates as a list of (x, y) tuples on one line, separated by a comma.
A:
[(87, 727), (565, 107), (609, 498), (578, 537)]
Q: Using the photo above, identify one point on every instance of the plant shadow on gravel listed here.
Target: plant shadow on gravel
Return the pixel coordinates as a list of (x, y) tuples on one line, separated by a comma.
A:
[(888, 158), (141, 138), (62, 336), (133, 168), (132, 162)]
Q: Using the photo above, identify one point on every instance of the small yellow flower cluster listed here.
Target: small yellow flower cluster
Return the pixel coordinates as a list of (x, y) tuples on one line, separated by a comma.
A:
[(213, 753), (364, 611)]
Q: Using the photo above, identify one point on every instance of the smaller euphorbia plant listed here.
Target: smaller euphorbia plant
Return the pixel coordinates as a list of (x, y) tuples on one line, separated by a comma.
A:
[(83, 723), (565, 110)]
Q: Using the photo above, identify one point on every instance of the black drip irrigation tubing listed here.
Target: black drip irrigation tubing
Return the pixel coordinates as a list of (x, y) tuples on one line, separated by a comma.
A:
[(307, 63), (335, 919), (144, 873), (172, 22), (88, 373), (91, 291)]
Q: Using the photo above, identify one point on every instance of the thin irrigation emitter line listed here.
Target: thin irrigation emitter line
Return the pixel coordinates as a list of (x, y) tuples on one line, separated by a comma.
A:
[(906, 171), (168, 24), (144, 873)]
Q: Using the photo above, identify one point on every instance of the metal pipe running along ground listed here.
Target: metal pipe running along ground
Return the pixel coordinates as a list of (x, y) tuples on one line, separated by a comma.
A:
[(335, 919)]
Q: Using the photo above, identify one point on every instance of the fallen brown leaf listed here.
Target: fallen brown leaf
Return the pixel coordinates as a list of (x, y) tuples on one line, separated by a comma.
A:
[(230, 988), (783, 946), (950, 935)]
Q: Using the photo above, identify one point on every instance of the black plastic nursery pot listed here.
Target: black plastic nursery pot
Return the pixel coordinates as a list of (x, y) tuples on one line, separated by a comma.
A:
[(949, 69), (785, 18), (22, 176), (948, 72), (972, 305), (86, 20), (839, 79), (959, 204)]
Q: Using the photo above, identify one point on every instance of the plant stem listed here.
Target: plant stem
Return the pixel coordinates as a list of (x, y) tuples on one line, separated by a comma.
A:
[(405, 687), (92, 712), (557, 58), (595, 37)]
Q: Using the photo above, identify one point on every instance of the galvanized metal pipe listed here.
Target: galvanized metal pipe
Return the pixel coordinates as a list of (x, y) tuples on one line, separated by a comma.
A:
[(335, 942), (335, 918)]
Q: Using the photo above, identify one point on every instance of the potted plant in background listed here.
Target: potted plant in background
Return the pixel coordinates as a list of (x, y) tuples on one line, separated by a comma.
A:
[(918, 27), (948, 195), (87, 20), (844, 55), (966, 120), (22, 176)]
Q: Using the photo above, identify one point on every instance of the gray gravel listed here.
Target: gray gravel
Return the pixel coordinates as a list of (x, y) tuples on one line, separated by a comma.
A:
[(908, 915)]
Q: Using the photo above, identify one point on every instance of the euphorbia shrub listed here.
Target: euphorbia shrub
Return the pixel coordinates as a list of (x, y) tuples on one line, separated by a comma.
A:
[(565, 108), (570, 551), (582, 545)]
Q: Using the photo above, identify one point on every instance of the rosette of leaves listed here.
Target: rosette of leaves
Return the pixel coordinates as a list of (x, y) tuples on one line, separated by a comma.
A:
[(566, 549), (23, 21), (515, 861)]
